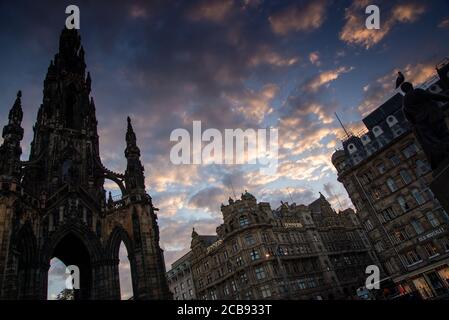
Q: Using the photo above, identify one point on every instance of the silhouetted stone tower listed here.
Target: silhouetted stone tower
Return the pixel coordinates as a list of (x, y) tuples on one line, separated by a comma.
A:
[(54, 205)]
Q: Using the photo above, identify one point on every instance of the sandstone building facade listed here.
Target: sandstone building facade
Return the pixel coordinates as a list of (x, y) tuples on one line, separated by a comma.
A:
[(387, 177), (180, 279), (293, 252), (54, 204)]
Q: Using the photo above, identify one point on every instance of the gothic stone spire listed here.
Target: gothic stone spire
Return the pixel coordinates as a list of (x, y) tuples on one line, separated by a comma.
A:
[(134, 176), (10, 151)]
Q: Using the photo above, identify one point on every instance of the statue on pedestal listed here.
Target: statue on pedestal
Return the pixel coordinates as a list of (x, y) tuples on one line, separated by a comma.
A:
[(427, 118)]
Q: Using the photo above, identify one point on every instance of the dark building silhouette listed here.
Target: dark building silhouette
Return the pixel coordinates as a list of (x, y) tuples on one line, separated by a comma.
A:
[(54, 205)]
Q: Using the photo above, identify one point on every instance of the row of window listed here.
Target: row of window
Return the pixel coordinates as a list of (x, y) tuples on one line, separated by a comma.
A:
[(393, 161), (265, 292), (185, 295), (389, 214), (182, 285), (413, 257), (405, 234)]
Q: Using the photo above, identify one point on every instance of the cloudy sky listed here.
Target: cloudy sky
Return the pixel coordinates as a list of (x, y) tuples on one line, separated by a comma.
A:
[(230, 64)]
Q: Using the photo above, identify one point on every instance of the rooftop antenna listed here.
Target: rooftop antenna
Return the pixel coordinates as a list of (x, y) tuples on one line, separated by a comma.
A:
[(332, 194), (288, 190), (341, 123), (233, 191), (339, 202)]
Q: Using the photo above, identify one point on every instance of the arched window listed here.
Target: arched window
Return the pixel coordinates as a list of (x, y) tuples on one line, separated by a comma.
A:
[(67, 164), (392, 185), (418, 196), (56, 289), (405, 176), (403, 204), (126, 287), (417, 226), (422, 167), (377, 131), (352, 148)]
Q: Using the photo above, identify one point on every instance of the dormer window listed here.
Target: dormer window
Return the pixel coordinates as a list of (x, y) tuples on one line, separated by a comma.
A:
[(366, 139), (377, 131), (391, 120), (352, 148)]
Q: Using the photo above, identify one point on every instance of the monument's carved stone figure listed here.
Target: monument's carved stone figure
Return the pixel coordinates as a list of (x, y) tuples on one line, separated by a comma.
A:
[(428, 120), (54, 205)]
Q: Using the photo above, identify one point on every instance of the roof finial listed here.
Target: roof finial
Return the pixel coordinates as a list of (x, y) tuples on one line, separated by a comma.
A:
[(16, 113)]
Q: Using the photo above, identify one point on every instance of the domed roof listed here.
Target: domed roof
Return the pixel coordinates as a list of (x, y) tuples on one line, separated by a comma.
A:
[(338, 155)]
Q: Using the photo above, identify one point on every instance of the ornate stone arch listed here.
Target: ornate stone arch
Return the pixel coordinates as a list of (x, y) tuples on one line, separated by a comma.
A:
[(117, 236), (24, 261), (75, 244), (85, 235)]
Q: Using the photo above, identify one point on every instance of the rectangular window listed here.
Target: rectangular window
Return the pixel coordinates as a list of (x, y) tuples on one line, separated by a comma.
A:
[(412, 257), (403, 204), (410, 150), (388, 214), (422, 167), (249, 239), (417, 226), (418, 196), (311, 283), (431, 249), (400, 236), (405, 175), (446, 243), (368, 225), (243, 221), (392, 185), (265, 237), (265, 291), (239, 261), (243, 278), (254, 255), (432, 219), (301, 283), (233, 286), (394, 160), (260, 273), (381, 168)]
